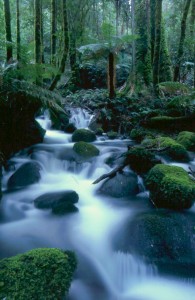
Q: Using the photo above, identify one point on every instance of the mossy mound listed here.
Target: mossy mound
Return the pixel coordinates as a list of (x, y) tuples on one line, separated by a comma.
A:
[(187, 139), (99, 131), (83, 135), (140, 160), (112, 135), (85, 150), (138, 134), (170, 187), (38, 274), (174, 150)]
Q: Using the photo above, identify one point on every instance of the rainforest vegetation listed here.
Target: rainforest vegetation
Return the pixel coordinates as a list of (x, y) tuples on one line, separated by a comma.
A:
[(130, 64)]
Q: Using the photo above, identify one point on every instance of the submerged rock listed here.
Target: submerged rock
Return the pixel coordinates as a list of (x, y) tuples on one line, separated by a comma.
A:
[(28, 173), (83, 135), (38, 274), (59, 202), (170, 187), (122, 185)]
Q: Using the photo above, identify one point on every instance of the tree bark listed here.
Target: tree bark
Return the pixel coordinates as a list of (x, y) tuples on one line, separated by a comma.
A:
[(158, 24), (7, 15), (53, 32), (133, 33), (192, 34), (182, 39), (65, 50), (111, 75), (18, 38), (38, 54)]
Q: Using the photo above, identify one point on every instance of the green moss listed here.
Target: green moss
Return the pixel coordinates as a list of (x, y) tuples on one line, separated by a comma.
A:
[(112, 135), (175, 150), (187, 139), (38, 274), (138, 134), (99, 131), (140, 159), (170, 187), (83, 135), (85, 150), (173, 88)]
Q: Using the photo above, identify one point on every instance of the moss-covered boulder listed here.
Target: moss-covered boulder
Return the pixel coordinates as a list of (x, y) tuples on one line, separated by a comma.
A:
[(112, 135), (172, 148), (28, 173), (99, 131), (86, 150), (83, 135), (38, 274), (59, 120), (170, 187), (140, 160), (187, 139)]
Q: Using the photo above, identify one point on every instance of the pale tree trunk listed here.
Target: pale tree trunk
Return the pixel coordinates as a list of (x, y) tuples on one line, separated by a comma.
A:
[(53, 32), (65, 50), (9, 48), (182, 39)]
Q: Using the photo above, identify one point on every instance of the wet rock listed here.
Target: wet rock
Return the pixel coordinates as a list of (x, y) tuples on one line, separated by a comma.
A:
[(59, 202), (83, 135), (70, 128), (86, 150), (28, 173), (122, 185)]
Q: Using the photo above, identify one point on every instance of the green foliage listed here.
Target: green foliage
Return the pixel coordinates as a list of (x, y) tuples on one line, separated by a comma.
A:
[(174, 149), (107, 30), (173, 88), (99, 131), (138, 134), (187, 139), (112, 135), (83, 135), (182, 101), (38, 274), (85, 150), (140, 160), (170, 187)]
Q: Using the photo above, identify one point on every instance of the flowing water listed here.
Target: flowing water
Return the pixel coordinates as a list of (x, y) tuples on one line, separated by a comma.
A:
[(103, 273)]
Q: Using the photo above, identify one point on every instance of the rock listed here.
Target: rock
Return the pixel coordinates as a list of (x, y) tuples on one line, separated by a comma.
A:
[(112, 135), (174, 150), (28, 173), (187, 139), (59, 202), (59, 120), (85, 150), (99, 131), (170, 187), (162, 237), (37, 274), (122, 185), (70, 128), (83, 135), (140, 159)]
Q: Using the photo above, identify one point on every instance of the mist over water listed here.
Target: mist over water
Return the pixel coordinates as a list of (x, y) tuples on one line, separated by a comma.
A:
[(103, 273)]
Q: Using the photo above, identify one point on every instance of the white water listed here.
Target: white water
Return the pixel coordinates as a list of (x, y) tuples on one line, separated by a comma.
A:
[(103, 274)]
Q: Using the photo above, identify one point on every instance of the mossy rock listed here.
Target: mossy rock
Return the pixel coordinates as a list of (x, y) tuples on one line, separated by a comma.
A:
[(83, 135), (187, 139), (85, 150), (112, 135), (99, 131), (140, 160), (59, 120), (38, 274), (170, 187), (174, 150), (138, 134)]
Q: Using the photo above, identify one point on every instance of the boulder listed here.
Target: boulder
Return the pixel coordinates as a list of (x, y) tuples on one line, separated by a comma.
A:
[(140, 160), (162, 237), (122, 185), (85, 150), (28, 173), (170, 187), (174, 150), (83, 135), (70, 128), (187, 139), (112, 135), (38, 274), (59, 202)]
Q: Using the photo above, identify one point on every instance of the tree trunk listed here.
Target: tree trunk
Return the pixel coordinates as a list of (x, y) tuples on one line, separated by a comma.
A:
[(65, 50), (53, 32), (111, 75), (192, 34), (42, 34), (18, 38), (165, 71), (133, 33), (152, 21), (9, 48), (182, 39), (158, 25), (38, 54)]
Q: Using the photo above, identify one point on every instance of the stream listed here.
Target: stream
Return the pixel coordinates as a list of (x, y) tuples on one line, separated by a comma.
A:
[(103, 273)]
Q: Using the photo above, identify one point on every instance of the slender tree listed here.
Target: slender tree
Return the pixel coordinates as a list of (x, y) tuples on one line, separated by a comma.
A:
[(18, 38), (111, 75), (66, 47), (157, 47), (192, 33), (9, 48), (182, 39), (38, 52), (53, 31)]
